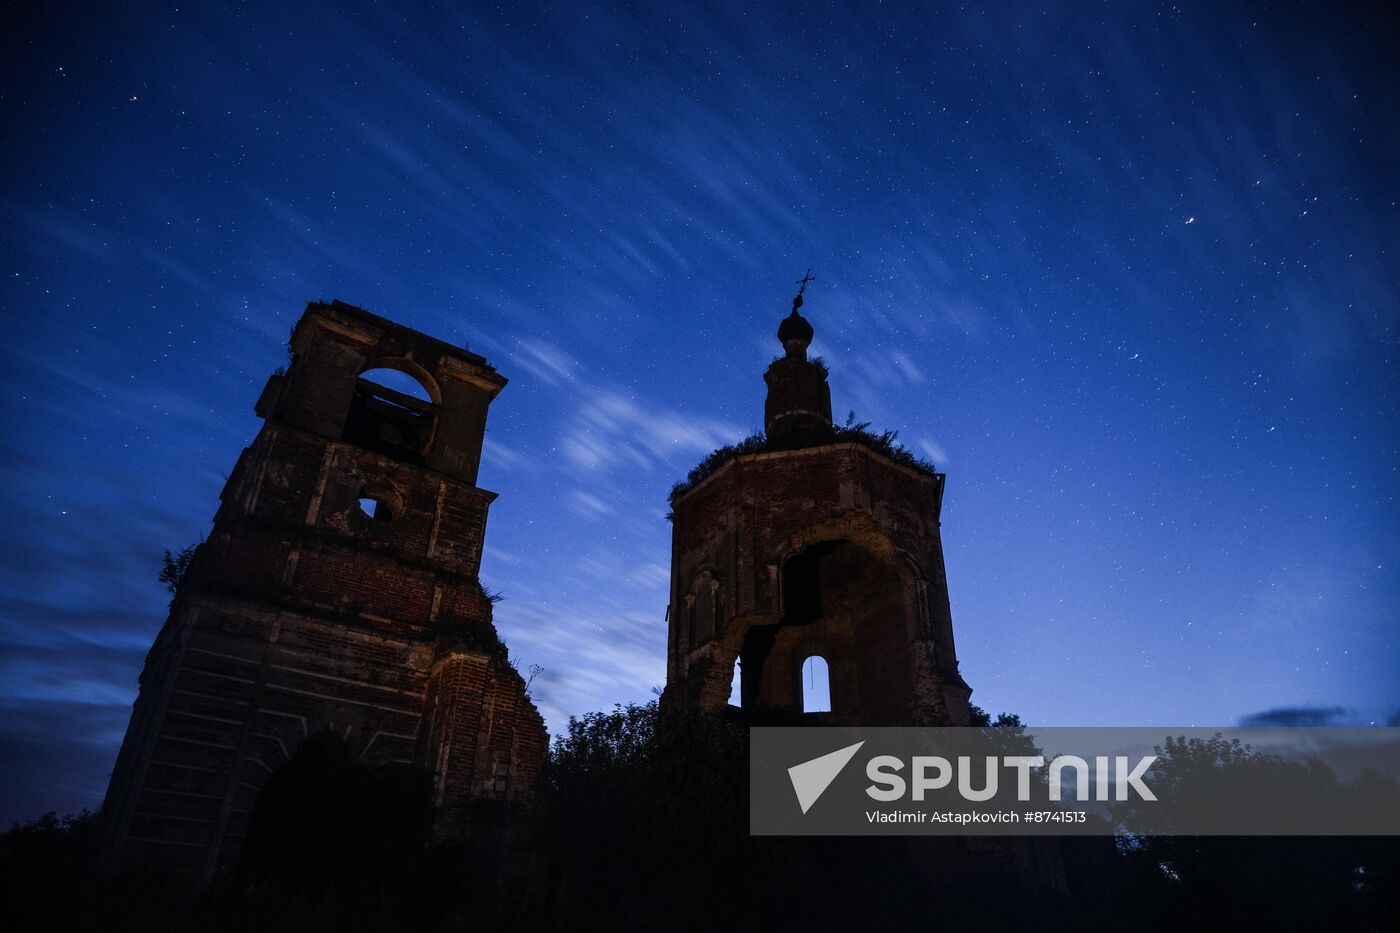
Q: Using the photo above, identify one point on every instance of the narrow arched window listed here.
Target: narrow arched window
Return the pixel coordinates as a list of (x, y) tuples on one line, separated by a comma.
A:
[(816, 685), (704, 615)]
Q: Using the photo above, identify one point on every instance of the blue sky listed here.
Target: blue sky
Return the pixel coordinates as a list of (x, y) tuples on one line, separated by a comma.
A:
[(1126, 272)]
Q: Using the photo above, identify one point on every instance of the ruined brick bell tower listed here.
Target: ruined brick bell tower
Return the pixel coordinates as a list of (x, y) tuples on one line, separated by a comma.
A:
[(337, 595), (807, 577)]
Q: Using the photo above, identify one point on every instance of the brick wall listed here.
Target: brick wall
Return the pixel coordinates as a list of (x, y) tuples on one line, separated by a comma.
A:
[(749, 519), (302, 614)]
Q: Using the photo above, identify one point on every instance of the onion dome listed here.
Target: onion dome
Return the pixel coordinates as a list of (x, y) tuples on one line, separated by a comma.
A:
[(794, 331)]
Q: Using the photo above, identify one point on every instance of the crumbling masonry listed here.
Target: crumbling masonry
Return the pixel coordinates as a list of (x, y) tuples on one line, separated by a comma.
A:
[(337, 593), (815, 548)]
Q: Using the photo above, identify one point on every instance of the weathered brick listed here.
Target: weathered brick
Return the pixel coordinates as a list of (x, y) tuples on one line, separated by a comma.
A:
[(816, 546), (301, 614)]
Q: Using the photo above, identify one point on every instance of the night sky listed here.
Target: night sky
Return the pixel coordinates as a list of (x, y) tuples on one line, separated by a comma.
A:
[(1129, 276)]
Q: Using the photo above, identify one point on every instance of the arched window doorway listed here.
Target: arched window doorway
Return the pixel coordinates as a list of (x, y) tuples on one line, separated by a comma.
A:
[(842, 638), (816, 685), (392, 412), (397, 381), (327, 816)]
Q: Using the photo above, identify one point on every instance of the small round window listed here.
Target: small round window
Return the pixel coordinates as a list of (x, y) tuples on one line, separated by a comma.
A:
[(380, 504)]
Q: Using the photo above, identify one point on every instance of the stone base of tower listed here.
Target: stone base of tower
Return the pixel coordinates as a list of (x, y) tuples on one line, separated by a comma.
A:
[(232, 691)]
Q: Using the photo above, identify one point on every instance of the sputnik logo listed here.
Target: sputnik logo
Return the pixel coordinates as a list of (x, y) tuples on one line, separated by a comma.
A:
[(811, 778)]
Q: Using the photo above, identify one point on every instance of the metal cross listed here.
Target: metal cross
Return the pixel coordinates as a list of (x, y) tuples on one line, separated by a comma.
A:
[(809, 277)]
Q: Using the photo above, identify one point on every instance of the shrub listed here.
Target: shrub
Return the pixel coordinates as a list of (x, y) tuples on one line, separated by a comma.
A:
[(885, 443)]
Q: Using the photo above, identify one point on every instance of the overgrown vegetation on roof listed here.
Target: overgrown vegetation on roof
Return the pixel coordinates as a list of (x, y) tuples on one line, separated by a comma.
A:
[(753, 444), (852, 432), (886, 443)]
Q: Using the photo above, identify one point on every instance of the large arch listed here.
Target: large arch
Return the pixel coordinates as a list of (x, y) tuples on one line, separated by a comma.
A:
[(326, 813), (409, 368), (843, 591), (391, 421)]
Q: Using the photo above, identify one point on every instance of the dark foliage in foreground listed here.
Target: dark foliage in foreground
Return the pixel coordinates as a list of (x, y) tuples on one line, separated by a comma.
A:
[(41, 862), (644, 826), (649, 831), (1351, 882)]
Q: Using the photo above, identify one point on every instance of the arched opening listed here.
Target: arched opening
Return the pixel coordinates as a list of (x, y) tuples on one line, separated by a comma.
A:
[(326, 816), (843, 633), (704, 610), (816, 685), (380, 502), (376, 509), (392, 412), (397, 381)]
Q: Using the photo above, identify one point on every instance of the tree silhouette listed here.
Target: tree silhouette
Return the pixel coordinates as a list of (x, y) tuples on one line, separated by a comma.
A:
[(1348, 883)]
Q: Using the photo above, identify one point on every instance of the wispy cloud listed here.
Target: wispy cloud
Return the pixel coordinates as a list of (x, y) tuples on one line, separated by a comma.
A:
[(1303, 716), (933, 452), (587, 505), (612, 430), (544, 361)]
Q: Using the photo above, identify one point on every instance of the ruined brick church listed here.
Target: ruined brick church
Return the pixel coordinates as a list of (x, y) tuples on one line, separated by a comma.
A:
[(338, 595), (815, 557)]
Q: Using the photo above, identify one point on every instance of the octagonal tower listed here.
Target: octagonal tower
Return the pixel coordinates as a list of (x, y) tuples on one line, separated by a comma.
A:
[(807, 579)]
